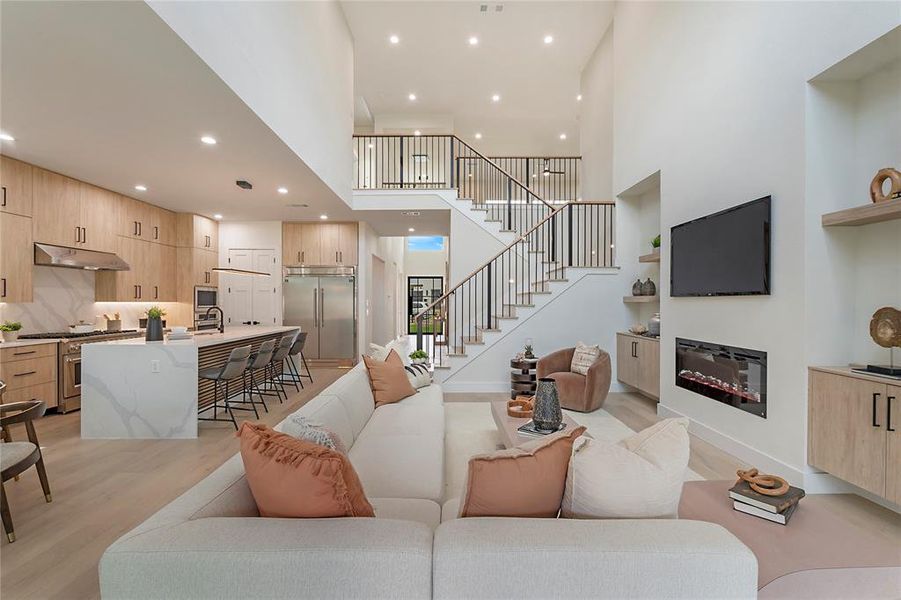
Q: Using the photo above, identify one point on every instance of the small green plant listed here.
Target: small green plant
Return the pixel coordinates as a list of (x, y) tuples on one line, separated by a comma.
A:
[(418, 354), (10, 326), (528, 353), (155, 312), (655, 243)]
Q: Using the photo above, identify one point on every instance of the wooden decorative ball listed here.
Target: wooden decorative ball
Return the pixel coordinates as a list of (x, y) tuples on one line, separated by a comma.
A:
[(885, 327), (876, 194)]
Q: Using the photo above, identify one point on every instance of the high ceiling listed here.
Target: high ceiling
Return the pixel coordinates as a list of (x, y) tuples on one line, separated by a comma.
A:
[(537, 82)]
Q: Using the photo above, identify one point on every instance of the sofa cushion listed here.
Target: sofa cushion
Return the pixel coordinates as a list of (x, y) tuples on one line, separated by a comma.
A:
[(328, 410), (450, 510), (400, 466), (526, 481), (295, 478), (638, 477), (408, 509), (355, 393), (388, 379)]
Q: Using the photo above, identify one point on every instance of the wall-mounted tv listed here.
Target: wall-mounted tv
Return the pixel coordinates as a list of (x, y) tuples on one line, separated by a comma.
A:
[(723, 254)]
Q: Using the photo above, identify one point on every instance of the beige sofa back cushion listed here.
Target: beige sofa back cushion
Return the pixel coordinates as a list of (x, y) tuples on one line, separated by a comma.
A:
[(354, 392)]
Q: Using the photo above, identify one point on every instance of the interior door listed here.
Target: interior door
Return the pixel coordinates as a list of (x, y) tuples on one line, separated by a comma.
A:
[(336, 317), (264, 307), (239, 288), (301, 309)]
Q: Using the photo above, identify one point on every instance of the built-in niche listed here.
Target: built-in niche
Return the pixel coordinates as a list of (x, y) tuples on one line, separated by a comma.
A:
[(728, 374)]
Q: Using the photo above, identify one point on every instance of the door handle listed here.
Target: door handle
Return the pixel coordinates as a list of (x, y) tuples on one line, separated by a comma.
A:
[(315, 307), (888, 413), (875, 397), (321, 308)]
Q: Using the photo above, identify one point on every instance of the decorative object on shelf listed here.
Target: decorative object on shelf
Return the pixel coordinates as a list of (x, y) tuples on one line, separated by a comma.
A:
[(648, 288), (521, 407), (885, 327), (768, 485), (522, 376), (419, 357), (638, 329), (546, 413), (527, 351), (888, 173), (655, 244), (654, 325), (9, 331), (756, 495), (113, 323), (154, 332), (636, 288)]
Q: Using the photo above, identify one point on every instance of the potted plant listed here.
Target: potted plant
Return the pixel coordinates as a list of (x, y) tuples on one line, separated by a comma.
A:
[(655, 244), (155, 316), (528, 353), (9, 331), (419, 357)]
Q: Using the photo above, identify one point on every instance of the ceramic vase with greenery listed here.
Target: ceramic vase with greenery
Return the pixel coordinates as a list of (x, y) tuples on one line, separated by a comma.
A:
[(154, 332), (419, 357), (9, 331)]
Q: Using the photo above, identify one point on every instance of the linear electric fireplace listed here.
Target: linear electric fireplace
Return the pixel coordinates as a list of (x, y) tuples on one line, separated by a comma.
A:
[(731, 375)]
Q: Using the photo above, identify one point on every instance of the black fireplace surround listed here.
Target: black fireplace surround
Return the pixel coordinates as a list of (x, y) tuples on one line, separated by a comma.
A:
[(728, 374)]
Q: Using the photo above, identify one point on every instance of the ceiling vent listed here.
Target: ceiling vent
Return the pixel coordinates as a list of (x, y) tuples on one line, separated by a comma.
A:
[(498, 8), (244, 185), (411, 213)]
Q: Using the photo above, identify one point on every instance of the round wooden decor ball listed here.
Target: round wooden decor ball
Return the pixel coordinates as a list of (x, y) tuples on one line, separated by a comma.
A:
[(885, 327), (894, 175)]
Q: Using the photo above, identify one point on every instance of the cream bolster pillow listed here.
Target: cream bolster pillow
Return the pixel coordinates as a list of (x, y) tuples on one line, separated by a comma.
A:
[(583, 358), (638, 477)]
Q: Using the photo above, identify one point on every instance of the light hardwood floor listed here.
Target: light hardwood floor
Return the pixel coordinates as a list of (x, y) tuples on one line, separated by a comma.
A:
[(102, 489)]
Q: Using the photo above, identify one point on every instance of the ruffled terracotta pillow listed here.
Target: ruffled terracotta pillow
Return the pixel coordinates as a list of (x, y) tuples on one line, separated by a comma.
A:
[(289, 477), (388, 379)]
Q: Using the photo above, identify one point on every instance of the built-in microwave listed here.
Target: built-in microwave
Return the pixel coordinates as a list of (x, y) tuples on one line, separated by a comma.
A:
[(205, 297)]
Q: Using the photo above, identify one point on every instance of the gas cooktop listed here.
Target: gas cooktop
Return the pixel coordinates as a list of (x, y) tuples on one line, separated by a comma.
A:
[(71, 335)]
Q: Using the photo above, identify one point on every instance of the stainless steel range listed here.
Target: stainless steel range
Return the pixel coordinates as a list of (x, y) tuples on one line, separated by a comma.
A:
[(69, 355)]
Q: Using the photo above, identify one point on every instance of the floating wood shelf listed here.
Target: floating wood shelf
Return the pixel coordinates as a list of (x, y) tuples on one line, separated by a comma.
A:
[(653, 257), (864, 215), (640, 299)]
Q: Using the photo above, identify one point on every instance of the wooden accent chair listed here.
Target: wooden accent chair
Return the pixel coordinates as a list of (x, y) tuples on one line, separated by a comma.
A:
[(576, 391), (16, 457)]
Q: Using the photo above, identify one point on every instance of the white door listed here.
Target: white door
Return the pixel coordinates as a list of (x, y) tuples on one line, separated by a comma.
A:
[(238, 288), (251, 299), (265, 307)]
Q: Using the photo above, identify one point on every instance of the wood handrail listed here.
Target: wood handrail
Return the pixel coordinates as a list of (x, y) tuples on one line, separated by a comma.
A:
[(510, 246)]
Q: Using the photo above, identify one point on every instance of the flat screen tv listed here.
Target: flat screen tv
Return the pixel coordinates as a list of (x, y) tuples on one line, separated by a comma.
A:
[(723, 254)]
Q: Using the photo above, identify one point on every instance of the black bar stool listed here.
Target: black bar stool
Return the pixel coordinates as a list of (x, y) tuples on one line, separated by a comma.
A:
[(258, 361), (295, 375), (220, 376), (278, 357)]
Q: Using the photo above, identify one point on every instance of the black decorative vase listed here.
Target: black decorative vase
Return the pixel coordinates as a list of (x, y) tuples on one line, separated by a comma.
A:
[(648, 288), (154, 330), (546, 413)]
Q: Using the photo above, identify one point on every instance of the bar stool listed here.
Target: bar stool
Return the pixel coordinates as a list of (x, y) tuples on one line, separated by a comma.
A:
[(221, 376), (258, 361), (16, 457), (278, 357), (294, 374)]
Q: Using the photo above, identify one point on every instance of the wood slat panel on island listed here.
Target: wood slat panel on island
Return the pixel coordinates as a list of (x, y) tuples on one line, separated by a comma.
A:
[(864, 215)]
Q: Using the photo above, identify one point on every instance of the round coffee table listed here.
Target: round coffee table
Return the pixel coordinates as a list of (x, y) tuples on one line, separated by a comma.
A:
[(523, 379)]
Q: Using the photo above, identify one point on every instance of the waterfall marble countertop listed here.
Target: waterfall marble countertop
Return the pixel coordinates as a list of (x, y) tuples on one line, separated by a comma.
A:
[(202, 340)]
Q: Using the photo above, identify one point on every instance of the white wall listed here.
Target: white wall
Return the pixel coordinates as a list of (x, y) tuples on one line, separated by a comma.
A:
[(469, 247), (291, 63), (596, 122), (391, 251), (713, 96), (426, 262), (251, 235)]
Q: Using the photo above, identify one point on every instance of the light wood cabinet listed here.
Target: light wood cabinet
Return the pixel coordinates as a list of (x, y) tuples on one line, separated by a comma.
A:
[(136, 284), (195, 268), (163, 228), (16, 183), (16, 258), (30, 373), (195, 231), (135, 219), (638, 363), (853, 429), (167, 267), (319, 244), (56, 209), (99, 209)]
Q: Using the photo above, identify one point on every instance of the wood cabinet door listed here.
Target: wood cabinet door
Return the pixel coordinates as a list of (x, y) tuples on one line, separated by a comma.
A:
[(56, 210), (649, 367), (162, 228), (99, 220), (135, 218), (212, 261), (310, 246), (166, 280), (15, 179), (347, 247), (291, 244), (847, 436), (205, 233), (126, 282), (893, 441), (202, 265), (626, 360), (330, 243), (16, 258)]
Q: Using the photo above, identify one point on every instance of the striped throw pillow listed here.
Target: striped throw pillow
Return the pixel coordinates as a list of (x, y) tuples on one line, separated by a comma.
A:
[(419, 376)]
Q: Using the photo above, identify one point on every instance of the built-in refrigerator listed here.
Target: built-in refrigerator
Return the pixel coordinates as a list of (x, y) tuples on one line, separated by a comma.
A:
[(323, 302)]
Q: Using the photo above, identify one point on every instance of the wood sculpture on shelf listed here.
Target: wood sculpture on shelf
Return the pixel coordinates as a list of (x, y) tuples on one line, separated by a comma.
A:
[(768, 485), (885, 327), (888, 173)]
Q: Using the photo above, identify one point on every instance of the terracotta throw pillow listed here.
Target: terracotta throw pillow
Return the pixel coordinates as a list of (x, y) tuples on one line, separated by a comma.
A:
[(388, 379), (527, 481), (296, 478)]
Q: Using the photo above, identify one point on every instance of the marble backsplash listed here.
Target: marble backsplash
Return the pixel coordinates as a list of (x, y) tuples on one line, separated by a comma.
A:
[(66, 296)]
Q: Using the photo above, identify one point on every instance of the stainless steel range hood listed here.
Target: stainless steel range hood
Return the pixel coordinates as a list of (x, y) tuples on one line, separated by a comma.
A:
[(77, 258)]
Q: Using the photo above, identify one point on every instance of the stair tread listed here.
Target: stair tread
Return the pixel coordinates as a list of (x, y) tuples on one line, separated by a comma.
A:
[(488, 329)]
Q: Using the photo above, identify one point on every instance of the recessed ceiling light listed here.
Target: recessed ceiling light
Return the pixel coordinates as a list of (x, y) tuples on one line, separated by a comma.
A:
[(411, 230), (478, 136), (579, 98), (394, 39), (217, 216), (323, 217), (412, 97), (6, 137), (208, 139), (141, 188), (417, 132), (496, 98), (473, 41), (562, 136), (282, 190), (548, 39)]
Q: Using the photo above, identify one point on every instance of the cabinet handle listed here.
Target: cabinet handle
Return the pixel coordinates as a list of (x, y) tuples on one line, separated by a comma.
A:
[(156, 292), (156, 232), (303, 255), (24, 353), (875, 397), (77, 234), (140, 229), (24, 374), (84, 235), (3, 294), (134, 228), (298, 257), (3, 202), (888, 414)]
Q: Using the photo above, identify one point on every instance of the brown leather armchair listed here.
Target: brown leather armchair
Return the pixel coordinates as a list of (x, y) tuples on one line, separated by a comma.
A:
[(583, 393)]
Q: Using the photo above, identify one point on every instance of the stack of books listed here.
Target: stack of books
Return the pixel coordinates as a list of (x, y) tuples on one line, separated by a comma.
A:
[(777, 509)]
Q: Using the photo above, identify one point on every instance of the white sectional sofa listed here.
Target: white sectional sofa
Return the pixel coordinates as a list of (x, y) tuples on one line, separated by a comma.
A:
[(211, 543)]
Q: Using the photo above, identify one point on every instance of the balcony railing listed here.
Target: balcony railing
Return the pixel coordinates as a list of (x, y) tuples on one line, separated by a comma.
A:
[(555, 178)]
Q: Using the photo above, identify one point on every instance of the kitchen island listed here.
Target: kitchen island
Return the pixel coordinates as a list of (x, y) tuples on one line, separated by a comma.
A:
[(134, 389)]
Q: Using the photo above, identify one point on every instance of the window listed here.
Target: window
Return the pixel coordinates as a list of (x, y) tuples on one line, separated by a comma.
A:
[(422, 292), (425, 243)]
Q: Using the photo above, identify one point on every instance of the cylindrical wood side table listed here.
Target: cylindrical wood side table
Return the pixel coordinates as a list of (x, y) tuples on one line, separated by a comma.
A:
[(523, 377)]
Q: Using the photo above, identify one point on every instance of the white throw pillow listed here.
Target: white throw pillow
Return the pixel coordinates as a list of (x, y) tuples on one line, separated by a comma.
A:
[(419, 376), (639, 477), (583, 358), (377, 352)]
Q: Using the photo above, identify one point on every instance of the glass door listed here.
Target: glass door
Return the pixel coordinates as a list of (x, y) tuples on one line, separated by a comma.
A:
[(422, 292)]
